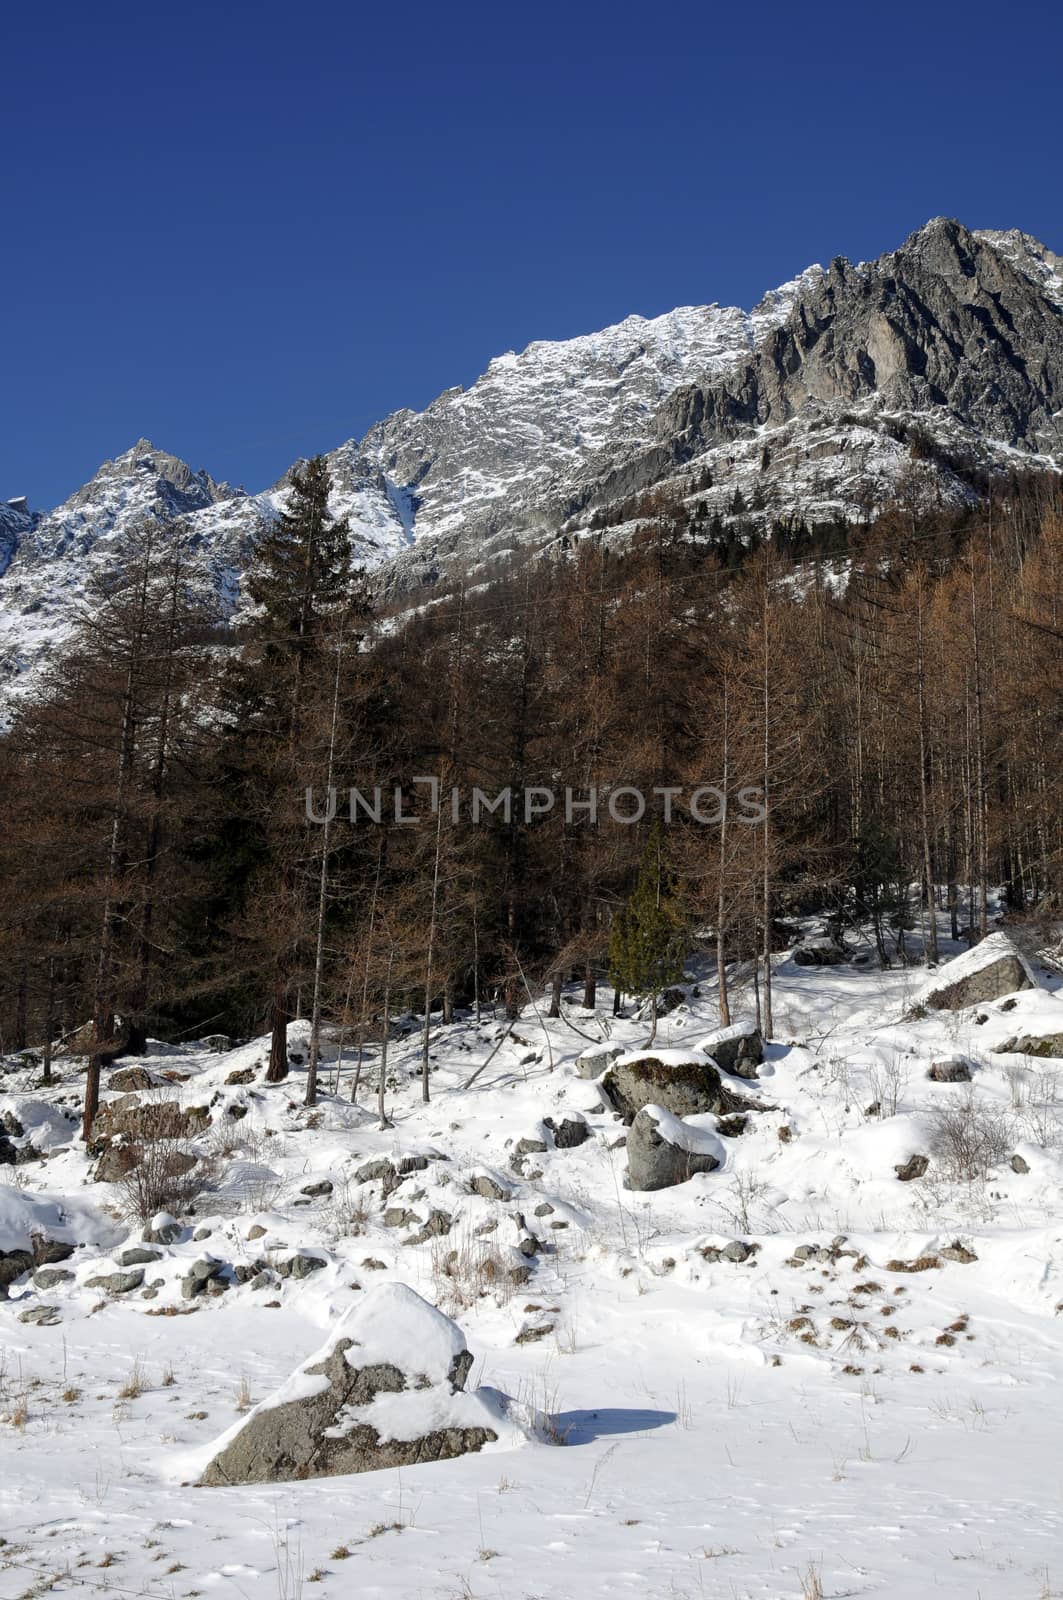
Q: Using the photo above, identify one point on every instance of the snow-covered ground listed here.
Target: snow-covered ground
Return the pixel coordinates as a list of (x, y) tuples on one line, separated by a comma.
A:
[(869, 1416)]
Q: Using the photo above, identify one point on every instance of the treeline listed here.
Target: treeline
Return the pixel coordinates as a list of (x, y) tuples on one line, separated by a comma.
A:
[(899, 718)]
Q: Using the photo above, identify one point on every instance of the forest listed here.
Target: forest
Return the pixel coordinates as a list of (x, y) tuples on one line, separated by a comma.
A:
[(895, 697)]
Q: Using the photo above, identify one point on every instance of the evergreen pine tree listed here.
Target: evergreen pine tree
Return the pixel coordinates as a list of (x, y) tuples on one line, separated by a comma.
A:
[(648, 939)]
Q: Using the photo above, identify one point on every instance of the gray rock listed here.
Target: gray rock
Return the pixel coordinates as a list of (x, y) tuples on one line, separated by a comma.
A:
[(592, 1063), (1019, 1164), (1048, 1045), (168, 1231), (951, 1069), (316, 1191), (138, 1255), (490, 1187), (321, 1435), (738, 1049), (220, 1043), (654, 1163), (51, 1277), (737, 1251), (988, 971), (302, 1265), (914, 1167), (131, 1079), (117, 1282), (685, 1090), (820, 955), (570, 1132), (40, 1316)]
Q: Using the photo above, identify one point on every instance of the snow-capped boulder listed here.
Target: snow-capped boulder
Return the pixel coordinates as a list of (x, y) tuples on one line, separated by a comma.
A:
[(738, 1049), (1049, 1045), (387, 1389), (663, 1151), (988, 971), (593, 1062), (681, 1082)]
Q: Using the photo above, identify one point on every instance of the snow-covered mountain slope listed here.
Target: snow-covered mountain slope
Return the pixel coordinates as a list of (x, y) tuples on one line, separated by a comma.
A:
[(808, 1372), (948, 352)]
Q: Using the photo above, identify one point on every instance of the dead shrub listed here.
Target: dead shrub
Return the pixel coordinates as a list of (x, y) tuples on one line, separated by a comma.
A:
[(161, 1174), (969, 1139)]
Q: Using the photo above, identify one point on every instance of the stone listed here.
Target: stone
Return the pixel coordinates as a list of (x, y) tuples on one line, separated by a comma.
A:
[(131, 1079), (1019, 1164), (302, 1265), (40, 1316), (399, 1217), (737, 1251), (1049, 1045), (988, 971), (220, 1043), (738, 1049), (256, 1231), (592, 1063), (490, 1187), (316, 1191), (240, 1076), (437, 1225), (162, 1229), (663, 1152), (570, 1132), (138, 1255), (951, 1069), (914, 1167), (50, 1277), (117, 1282), (391, 1344), (684, 1086), (820, 954)]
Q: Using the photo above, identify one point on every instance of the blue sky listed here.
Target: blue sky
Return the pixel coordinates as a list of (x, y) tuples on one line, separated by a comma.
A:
[(248, 231)]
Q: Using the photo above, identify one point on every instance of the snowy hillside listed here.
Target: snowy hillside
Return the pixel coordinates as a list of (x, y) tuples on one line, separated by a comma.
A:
[(799, 1369)]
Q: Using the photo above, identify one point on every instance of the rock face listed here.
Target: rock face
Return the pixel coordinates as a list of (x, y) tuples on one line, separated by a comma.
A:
[(738, 1049), (987, 971), (663, 1151), (673, 1079), (592, 1063), (387, 1390)]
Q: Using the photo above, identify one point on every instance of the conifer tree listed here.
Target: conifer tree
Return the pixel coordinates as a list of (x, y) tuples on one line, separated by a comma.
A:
[(648, 940)]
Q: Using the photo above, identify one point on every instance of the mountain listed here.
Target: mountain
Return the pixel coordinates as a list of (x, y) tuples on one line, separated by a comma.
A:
[(942, 360)]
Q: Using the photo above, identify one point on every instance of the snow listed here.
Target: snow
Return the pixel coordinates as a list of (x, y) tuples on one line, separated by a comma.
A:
[(728, 1425), (695, 1135)]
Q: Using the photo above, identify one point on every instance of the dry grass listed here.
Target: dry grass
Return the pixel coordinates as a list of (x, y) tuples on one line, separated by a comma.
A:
[(135, 1383)]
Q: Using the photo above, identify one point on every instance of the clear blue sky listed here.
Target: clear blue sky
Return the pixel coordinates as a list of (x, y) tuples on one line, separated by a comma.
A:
[(249, 230)]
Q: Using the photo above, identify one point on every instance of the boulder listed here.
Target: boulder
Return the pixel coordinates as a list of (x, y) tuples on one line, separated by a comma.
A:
[(988, 971), (386, 1390), (491, 1186), (41, 1316), (592, 1063), (117, 1282), (662, 1151), (220, 1043), (914, 1167), (738, 1049), (153, 1119), (241, 1075), (1032, 1044), (131, 1079), (570, 1132), (950, 1069), (822, 953), (674, 1079)]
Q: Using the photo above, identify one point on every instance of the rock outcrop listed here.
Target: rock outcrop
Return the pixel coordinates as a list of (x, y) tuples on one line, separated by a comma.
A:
[(386, 1390), (677, 1080), (988, 971)]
